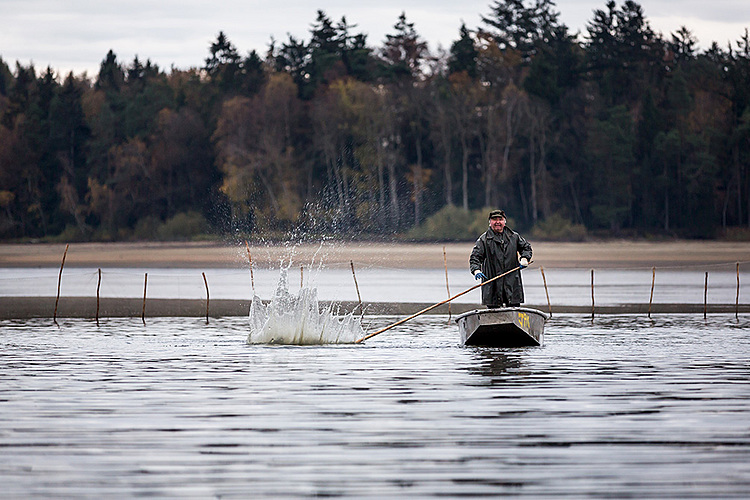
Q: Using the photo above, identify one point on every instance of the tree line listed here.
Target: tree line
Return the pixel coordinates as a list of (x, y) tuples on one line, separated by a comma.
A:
[(619, 129)]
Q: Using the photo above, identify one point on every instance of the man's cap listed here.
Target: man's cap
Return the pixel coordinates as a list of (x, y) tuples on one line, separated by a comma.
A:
[(497, 213)]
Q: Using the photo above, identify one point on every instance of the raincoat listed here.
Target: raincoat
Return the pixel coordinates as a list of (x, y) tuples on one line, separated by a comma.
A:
[(495, 254)]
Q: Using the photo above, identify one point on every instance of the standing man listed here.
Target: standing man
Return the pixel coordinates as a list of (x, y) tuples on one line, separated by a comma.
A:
[(495, 252)]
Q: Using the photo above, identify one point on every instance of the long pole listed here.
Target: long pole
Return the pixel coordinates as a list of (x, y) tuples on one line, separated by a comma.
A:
[(98, 287), (59, 280), (447, 287), (705, 296), (359, 297), (592, 295), (651, 299), (435, 305), (737, 298), (250, 260), (544, 279), (143, 309), (208, 298)]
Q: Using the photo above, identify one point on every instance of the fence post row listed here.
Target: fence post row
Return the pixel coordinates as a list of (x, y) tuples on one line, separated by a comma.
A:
[(359, 297)]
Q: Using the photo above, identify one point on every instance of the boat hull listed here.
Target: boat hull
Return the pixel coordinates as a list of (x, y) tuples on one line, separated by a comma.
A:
[(505, 327)]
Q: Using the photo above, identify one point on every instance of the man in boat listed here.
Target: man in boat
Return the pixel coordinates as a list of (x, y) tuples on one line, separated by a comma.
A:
[(496, 252)]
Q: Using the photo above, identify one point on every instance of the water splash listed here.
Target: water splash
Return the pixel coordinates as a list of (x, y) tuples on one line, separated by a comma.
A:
[(299, 320)]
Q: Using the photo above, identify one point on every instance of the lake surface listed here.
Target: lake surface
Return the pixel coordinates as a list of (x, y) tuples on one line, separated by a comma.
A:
[(621, 407), (568, 287)]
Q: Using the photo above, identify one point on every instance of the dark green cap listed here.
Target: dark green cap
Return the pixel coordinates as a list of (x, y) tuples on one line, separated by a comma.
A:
[(497, 213)]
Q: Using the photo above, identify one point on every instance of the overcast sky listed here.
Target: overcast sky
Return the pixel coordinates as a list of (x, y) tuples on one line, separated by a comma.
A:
[(75, 35)]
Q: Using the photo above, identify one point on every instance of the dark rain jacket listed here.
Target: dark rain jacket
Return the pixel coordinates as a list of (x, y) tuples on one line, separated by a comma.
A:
[(495, 254)]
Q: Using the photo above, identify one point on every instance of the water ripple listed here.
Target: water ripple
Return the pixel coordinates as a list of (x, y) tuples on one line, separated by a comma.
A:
[(623, 406)]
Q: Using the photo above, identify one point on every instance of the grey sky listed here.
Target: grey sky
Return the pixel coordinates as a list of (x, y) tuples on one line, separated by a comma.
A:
[(75, 35)]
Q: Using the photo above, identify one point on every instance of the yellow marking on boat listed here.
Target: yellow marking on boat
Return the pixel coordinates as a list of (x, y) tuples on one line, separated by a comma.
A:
[(524, 321)]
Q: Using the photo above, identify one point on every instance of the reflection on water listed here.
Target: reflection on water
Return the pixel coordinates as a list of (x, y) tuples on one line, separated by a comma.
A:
[(623, 407), (497, 364)]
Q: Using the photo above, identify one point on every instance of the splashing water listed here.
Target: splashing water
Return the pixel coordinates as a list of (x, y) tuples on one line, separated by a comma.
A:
[(299, 320)]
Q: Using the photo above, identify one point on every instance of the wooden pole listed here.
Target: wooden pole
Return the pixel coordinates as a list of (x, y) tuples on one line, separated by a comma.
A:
[(359, 297), (592, 295), (207, 295), (433, 306), (447, 287), (705, 296), (250, 260), (98, 287), (544, 279), (143, 309), (737, 299), (301, 276), (651, 299), (59, 281)]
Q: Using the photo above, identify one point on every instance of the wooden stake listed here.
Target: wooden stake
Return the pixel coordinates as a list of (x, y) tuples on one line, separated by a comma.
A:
[(301, 276), (433, 306), (143, 309), (98, 287), (592, 295), (737, 299), (207, 295), (448, 288), (544, 279), (705, 297), (359, 297), (250, 260), (653, 280), (59, 280)]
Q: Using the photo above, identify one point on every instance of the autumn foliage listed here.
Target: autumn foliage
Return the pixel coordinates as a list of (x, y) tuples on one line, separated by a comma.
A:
[(616, 131)]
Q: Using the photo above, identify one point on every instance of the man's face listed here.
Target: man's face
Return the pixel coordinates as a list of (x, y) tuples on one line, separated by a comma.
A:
[(497, 224)]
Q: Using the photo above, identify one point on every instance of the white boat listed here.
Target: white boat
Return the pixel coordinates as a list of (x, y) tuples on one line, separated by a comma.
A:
[(503, 327)]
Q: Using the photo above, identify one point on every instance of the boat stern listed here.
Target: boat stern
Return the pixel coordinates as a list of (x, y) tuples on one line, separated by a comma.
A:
[(506, 327)]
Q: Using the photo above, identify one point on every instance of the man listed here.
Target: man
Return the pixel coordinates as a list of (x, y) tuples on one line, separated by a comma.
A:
[(496, 252)]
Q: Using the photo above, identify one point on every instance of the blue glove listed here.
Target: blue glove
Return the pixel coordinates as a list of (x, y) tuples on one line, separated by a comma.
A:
[(479, 275)]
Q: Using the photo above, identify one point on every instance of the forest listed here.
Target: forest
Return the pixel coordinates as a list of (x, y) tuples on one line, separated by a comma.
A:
[(617, 131)]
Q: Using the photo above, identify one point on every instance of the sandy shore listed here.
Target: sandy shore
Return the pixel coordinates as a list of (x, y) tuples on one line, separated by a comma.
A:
[(599, 255)]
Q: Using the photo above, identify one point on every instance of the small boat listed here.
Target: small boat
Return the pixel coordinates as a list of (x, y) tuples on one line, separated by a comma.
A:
[(504, 327)]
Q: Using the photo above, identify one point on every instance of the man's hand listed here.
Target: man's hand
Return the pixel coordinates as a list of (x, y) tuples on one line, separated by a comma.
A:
[(524, 262), (479, 275)]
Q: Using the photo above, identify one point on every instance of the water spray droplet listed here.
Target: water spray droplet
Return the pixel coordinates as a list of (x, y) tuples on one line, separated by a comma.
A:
[(299, 320)]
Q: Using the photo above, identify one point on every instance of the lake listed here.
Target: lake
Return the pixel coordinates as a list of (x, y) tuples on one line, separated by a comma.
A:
[(622, 406), (566, 287)]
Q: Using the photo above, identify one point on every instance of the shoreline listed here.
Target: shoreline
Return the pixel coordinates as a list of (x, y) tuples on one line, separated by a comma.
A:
[(602, 255)]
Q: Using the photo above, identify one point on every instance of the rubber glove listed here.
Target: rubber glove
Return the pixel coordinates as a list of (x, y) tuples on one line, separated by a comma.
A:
[(479, 275), (524, 262)]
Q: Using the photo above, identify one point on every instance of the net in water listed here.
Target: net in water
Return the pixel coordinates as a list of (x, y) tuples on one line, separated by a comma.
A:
[(299, 320)]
